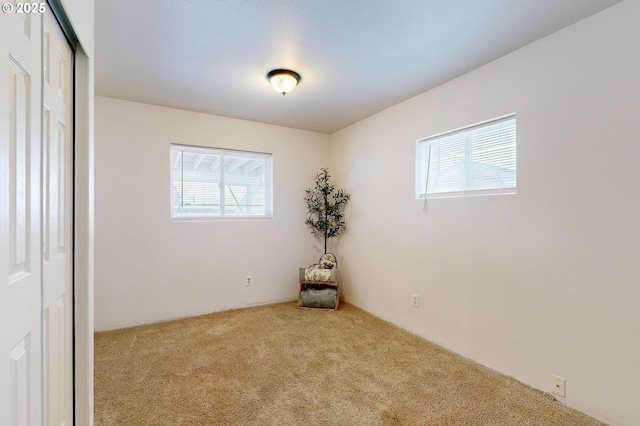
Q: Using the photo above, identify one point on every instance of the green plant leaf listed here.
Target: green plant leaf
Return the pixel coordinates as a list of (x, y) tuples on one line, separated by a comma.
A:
[(325, 206)]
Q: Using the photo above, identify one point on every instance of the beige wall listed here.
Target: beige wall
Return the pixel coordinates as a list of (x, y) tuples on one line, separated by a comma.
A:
[(538, 283), (149, 268)]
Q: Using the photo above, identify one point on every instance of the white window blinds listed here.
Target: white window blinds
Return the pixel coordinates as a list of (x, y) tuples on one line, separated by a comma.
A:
[(211, 182), (475, 160)]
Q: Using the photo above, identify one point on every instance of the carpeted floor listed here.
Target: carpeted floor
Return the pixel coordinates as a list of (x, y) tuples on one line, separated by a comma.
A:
[(280, 365)]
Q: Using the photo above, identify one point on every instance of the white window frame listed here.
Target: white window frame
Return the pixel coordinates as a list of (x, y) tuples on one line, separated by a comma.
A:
[(181, 212), (426, 183)]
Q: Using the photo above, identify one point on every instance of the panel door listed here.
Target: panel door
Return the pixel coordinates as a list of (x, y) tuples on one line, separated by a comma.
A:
[(20, 196), (57, 67)]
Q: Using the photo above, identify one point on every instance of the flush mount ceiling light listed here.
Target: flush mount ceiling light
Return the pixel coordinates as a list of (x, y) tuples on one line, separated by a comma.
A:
[(283, 81)]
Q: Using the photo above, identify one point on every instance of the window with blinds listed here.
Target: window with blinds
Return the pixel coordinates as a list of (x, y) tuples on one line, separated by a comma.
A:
[(475, 160), (216, 183)]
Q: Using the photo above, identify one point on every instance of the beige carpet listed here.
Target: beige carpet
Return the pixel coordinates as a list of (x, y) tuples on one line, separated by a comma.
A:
[(280, 365)]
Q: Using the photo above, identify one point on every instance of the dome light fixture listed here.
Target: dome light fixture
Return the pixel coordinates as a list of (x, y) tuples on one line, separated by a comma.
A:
[(283, 81)]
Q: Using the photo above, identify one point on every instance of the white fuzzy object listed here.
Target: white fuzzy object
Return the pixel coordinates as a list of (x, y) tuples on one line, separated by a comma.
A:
[(316, 273), (328, 261), (324, 270)]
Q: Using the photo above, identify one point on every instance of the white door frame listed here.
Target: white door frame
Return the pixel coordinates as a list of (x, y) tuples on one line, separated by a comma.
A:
[(83, 240), (83, 213)]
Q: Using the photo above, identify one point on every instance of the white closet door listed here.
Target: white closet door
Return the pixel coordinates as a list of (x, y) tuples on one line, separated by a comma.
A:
[(35, 221), (20, 213), (57, 69)]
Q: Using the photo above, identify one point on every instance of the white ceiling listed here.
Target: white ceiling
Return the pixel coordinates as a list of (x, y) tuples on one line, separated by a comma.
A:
[(356, 57)]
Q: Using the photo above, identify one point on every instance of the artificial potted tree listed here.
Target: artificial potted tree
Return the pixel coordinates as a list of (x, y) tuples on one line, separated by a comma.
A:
[(325, 208)]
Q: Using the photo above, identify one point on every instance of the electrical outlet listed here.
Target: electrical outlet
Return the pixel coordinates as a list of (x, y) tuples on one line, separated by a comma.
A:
[(248, 281), (415, 300), (558, 385)]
